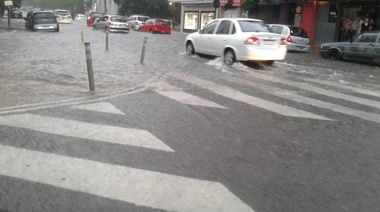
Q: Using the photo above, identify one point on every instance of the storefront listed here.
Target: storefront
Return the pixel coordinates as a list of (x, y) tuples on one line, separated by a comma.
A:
[(195, 15)]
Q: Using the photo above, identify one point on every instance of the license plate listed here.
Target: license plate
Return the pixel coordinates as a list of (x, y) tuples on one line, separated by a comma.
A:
[(269, 42)]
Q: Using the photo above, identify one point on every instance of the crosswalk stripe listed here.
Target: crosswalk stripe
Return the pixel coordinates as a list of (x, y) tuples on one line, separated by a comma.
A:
[(309, 101), (104, 107), (257, 102), (347, 87), (318, 90), (141, 187), (110, 134), (185, 98)]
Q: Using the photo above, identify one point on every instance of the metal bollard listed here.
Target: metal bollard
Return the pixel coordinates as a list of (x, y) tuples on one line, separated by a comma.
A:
[(143, 50), (89, 66), (81, 35), (106, 40)]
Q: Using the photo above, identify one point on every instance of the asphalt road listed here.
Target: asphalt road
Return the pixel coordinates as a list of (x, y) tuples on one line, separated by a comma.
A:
[(183, 133)]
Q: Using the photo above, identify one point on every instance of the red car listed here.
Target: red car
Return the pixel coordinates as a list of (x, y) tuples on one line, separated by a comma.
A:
[(92, 18), (155, 25)]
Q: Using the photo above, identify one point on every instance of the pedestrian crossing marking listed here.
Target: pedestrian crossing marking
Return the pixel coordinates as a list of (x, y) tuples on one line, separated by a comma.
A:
[(338, 85), (185, 98), (321, 91), (137, 186), (104, 107), (254, 101), (309, 101), (96, 132)]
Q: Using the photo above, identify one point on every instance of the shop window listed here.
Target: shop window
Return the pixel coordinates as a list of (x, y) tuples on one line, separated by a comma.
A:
[(206, 17), (191, 20)]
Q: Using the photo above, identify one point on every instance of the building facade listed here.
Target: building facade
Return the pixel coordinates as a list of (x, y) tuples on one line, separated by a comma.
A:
[(323, 20)]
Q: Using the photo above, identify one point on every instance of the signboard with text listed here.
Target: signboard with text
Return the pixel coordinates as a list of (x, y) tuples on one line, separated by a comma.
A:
[(235, 3), (8, 3)]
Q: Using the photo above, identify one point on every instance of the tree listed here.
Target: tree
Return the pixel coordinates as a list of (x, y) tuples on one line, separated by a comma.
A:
[(153, 8), (252, 6), (16, 4)]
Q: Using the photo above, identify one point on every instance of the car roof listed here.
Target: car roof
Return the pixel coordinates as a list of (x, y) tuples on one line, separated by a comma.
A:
[(239, 19)]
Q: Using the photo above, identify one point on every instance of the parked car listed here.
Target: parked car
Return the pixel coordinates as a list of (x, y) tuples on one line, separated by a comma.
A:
[(364, 48), (42, 20), (135, 21), (238, 39), (92, 17), (112, 23), (80, 17), (63, 17), (156, 25), (16, 13), (174, 25), (296, 37)]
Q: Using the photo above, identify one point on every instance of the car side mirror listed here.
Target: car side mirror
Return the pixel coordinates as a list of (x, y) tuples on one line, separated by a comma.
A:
[(201, 31), (97, 19)]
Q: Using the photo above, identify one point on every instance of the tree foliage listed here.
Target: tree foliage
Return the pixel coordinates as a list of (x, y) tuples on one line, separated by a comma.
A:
[(16, 4), (252, 6), (74, 6), (153, 8)]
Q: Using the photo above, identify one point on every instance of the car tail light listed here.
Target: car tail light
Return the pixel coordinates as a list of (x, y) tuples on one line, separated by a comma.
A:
[(89, 18), (110, 23), (289, 39), (252, 41), (283, 41)]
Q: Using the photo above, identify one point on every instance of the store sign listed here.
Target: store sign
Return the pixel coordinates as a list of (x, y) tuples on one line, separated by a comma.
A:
[(235, 3), (8, 3)]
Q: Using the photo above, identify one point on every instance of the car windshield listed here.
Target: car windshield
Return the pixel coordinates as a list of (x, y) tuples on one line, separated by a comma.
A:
[(253, 26), (118, 19), (44, 15)]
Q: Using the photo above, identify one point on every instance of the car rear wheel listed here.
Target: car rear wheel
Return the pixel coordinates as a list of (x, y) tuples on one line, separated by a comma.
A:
[(190, 49), (333, 55), (229, 57), (269, 63)]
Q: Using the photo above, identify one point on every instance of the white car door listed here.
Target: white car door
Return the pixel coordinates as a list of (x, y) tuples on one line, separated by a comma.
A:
[(204, 40), (221, 38)]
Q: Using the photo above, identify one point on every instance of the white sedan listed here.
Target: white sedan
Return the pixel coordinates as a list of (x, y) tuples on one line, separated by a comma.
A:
[(238, 39)]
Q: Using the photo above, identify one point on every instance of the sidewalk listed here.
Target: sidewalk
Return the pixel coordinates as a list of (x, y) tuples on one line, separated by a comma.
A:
[(15, 24)]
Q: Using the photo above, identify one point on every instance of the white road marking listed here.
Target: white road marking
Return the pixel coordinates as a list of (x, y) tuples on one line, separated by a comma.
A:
[(320, 91), (185, 98), (347, 87), (309, 101), (104, 107), (140, 187), (104, 133), (237, 95)]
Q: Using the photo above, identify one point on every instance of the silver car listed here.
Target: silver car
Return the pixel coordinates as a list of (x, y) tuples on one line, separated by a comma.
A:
[(135, 21), (112, 23), (364, 48), (296, 37)]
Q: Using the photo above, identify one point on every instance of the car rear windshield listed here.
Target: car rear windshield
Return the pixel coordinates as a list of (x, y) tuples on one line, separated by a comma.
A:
[(142, 18), (96, 15), (161, 22), (118, 19), (44, 15), (253, 26), (62, 13), (299, 32)]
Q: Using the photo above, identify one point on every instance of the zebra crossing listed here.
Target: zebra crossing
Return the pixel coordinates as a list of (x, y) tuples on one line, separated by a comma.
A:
[(154, 189)]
